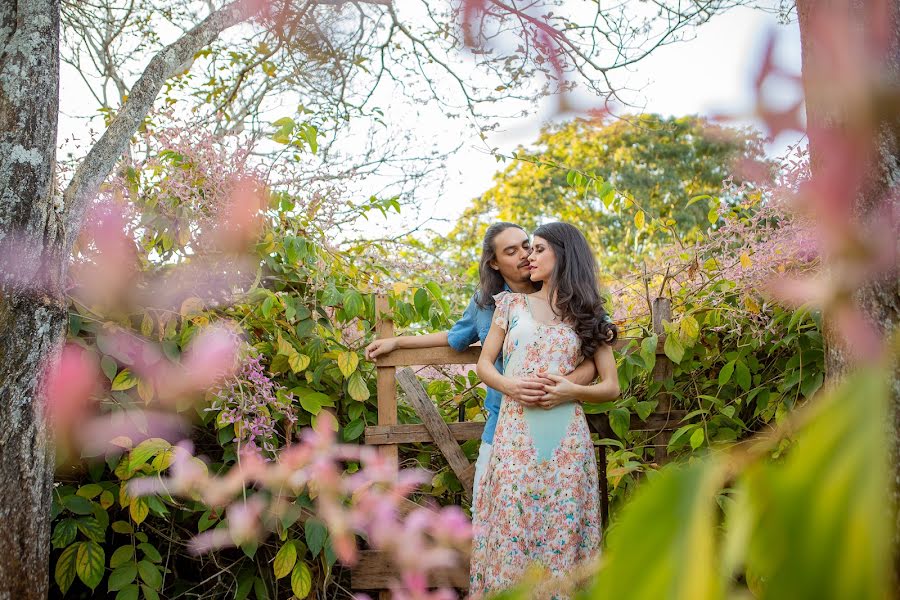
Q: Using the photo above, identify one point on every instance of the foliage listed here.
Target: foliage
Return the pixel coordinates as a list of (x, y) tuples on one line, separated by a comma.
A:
[(623, 182)]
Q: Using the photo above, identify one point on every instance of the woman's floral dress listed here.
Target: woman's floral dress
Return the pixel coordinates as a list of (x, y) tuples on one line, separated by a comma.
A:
[(539, 501)]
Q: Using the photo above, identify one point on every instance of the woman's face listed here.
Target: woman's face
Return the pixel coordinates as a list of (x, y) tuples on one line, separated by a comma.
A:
[(542, 260)]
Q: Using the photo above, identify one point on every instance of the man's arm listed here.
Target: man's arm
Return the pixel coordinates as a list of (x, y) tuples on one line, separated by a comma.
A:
[(462, 335), (388, 345)]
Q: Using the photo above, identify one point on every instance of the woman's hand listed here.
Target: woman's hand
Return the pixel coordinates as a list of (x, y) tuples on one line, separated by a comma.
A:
[(527, 391), (379, 347), (557, 390)]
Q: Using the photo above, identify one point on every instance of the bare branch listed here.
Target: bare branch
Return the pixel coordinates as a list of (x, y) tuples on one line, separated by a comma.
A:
[(101, 159)]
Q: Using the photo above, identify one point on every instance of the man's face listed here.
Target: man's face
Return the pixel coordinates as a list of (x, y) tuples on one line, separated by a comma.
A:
[(511, 249)]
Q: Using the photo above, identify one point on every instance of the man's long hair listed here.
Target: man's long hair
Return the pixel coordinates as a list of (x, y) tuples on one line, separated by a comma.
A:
[(574, 285), (490, 281)]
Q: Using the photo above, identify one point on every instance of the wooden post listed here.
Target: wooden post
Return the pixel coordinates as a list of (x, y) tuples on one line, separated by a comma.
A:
[(662, 311), (437, 427), (386, 385)]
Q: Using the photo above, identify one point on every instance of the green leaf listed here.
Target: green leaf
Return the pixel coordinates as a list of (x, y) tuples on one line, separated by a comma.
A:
[(742, 375), (89, 491), (422, 303), (648, 351), (354, 429), (64, 533), (620, 421), (64, 574), (315, 533), (89, 563), (78, 505), (312, 402), (92, 529), (713, 215), (144, 451), (121, 555), (725, 373), (150, 552), (357, 387), (149, 593), (353, 304), (109, 366), (150, 574), (821, 525), (125, 380), (122, 576), (129, 592), (301, 580), (681, 539), (673, 348), (122, 527), (285, 559), (347, 362), (697, 438)]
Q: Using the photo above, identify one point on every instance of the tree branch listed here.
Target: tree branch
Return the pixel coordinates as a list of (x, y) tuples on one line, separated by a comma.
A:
[(101, 159)]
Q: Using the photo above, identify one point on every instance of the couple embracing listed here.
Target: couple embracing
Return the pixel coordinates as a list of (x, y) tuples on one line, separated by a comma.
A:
[(545, 349)]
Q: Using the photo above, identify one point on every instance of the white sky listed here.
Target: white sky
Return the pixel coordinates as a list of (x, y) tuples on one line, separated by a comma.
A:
[(707, 75)]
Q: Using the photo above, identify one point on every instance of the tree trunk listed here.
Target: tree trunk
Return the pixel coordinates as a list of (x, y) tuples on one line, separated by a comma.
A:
[(878, 299), (32, 304)]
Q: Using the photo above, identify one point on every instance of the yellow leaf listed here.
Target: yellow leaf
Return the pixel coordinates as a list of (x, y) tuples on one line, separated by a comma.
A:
[(138, 509), (145, 390), (191, 307), (347, 362), (745, 261), (639, 219), (400, 287), (298, 362), (751, 304)]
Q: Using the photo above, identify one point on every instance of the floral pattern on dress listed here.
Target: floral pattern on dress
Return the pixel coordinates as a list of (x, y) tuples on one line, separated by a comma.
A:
[(531, 510)]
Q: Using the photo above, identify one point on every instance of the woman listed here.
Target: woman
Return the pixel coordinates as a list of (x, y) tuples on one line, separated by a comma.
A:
[(539, 501), (504, 266)]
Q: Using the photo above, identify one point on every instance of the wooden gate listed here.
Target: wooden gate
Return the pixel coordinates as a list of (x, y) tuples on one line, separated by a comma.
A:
[(374, 571)]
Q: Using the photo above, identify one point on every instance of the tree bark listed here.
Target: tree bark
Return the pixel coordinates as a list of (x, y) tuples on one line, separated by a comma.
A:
[(878, 298), (37, 231), (32, 303)]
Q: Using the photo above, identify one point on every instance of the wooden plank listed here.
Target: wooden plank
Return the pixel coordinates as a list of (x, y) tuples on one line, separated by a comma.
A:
[(407, 357), (662, 370), (377, 435), (376, 571), (436, 426), (385, 380)]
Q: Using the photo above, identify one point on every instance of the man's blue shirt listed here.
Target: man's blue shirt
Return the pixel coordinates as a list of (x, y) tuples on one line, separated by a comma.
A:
[(475, 325)]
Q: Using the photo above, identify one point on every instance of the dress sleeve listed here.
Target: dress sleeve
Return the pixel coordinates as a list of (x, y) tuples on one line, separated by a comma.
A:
[(502, 302)]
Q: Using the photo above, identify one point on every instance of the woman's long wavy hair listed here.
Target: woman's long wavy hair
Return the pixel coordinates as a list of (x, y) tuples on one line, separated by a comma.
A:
[(574, 285), (490, 281)]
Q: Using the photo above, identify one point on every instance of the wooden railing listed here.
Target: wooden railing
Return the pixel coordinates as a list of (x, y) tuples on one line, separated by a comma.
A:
[(373, 571)]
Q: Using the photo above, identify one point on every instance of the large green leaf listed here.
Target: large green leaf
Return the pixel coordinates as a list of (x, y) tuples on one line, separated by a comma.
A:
[(822, 524), (663, 545)]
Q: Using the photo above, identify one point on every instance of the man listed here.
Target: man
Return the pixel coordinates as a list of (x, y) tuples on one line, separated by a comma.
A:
[(504, 266)]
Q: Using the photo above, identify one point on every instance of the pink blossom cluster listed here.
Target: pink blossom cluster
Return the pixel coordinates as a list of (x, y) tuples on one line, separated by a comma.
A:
[(370, 502), (248, 401)]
